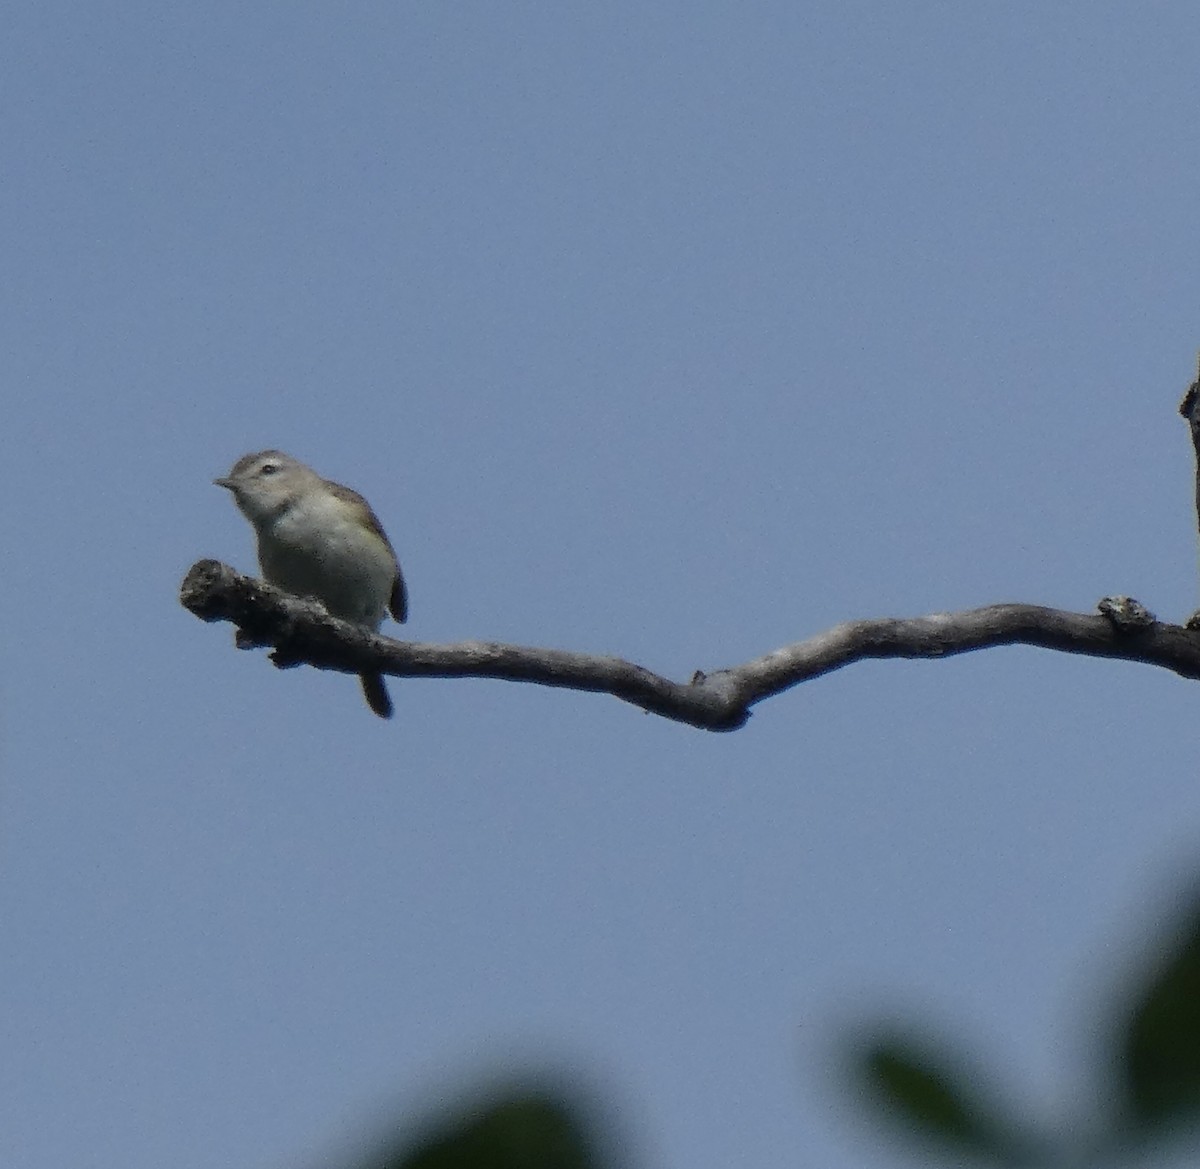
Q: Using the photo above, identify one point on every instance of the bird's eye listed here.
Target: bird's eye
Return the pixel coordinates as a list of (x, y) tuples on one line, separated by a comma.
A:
[(268, 468)]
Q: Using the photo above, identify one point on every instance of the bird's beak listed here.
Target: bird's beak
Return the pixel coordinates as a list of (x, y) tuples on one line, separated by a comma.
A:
[(228, 484)]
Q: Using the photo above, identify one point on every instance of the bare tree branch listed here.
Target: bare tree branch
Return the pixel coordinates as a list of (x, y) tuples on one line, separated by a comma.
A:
[(303, 632)]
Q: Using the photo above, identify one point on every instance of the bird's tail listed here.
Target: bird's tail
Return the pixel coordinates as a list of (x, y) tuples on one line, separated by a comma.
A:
[(375, 691)]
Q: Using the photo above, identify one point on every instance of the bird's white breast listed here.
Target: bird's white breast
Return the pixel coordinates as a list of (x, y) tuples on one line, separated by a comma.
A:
[(320, 548)]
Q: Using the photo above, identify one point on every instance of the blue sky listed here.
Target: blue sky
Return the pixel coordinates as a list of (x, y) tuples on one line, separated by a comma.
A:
[(675, 331)]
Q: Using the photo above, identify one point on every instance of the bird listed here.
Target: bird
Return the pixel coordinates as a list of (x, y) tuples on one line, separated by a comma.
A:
[(321, 540)]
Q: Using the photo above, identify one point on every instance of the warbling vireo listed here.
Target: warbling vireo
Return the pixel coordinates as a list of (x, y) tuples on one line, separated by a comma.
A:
[(321, 540)]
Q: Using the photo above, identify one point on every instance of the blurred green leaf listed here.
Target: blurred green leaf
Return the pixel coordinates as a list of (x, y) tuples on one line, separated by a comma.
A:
[(1159, 1050), (525, 1130), (916, 1087)]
